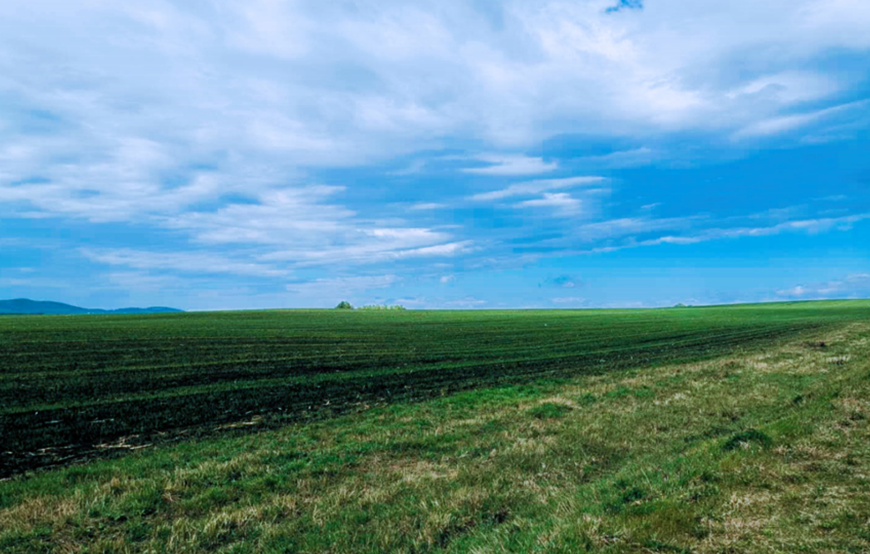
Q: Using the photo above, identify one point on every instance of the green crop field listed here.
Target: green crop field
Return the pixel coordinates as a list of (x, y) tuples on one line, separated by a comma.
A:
[(68, 384), (378, 431)]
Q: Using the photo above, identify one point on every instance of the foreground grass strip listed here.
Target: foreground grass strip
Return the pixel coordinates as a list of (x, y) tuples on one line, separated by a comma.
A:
[(765, 451)]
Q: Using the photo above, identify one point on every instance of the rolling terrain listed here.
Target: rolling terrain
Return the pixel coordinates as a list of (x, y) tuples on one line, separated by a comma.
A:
[(25, 306)]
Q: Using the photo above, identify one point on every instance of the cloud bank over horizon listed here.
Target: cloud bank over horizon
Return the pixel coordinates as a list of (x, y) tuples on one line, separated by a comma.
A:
[(278, 153)]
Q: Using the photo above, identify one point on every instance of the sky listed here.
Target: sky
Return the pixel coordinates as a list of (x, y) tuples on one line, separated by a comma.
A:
[(458, 154)]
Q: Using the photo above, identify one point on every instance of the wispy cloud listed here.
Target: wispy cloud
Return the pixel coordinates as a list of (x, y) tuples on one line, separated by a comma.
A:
[(562, 202), (794, 291), (120, 184), (424, 206), (626, 158), (531, 188), (806, 226), (392, 247), (856, 285), (786, 123), (341, 286), (413, 169), (300, 227), (504, 165), (467, 303), (574, 301), (789, 87), (146, 281), (632, 226), (274, 217), (185, 262)]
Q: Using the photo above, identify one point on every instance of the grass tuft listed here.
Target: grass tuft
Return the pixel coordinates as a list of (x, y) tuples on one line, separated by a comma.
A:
[(549, 410), (746, 438)]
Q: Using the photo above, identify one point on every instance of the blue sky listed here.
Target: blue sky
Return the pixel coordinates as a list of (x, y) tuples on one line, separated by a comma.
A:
[(459, 154)]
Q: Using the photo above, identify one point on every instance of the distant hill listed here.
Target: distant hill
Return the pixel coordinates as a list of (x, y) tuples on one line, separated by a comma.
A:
[(25, 306)]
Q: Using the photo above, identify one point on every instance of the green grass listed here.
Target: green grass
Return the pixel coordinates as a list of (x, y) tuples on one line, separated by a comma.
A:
[(756, 443), (71, 384)]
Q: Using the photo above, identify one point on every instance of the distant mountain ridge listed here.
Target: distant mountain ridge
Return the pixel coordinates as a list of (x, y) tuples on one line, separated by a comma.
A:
[(25, 306)]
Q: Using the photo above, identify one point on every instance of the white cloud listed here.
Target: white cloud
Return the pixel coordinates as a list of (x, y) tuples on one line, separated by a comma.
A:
[(809, 226), (783, 124), (531, 188), (856, 285), (626, 158), (425, 206), (626, 226), (502, 165), (144, 281), (694, 236), (442, 303), (361, 246), (563, 202), (300, 226), (838, 23), (31, 283), (569, 301), (795, 291), (342, 286), (185, 262), (790, 87), (414, 168), (447, 249), (279, 216), (467, 303), (114, 186)]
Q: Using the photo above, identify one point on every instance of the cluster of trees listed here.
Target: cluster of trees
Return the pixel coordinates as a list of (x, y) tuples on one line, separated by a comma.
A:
[(345, 305)]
